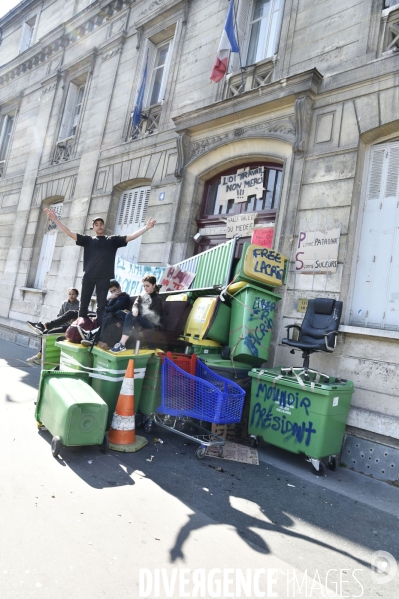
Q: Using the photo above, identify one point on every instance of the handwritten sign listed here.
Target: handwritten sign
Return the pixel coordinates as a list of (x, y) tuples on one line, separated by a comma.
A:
[(239, 187), (266, 265), (130, 276), (317, 251), (175, 279), (240, 224), (263, 237)]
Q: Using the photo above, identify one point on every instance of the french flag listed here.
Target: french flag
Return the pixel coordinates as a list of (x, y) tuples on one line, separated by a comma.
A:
[(228, 43)]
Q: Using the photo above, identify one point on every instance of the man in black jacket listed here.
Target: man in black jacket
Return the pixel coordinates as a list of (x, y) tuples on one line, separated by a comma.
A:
[(117, 299)]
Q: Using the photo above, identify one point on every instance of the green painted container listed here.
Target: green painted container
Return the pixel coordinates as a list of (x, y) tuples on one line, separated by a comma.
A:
[(150, 398), (308, 418), (252, 316), (74, 357), (109, 371), (69, 408), (206, 346), (50, 351), (234, 371)]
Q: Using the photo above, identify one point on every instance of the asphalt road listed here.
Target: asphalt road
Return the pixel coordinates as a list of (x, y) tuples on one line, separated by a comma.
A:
[(161, 523)]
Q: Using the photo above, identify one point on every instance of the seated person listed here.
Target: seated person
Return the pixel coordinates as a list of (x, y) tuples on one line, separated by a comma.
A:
[(117, 300), (67, 314), (146, 312)]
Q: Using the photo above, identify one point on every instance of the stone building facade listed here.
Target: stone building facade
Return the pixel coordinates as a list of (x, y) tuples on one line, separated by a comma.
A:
[(315, 107)]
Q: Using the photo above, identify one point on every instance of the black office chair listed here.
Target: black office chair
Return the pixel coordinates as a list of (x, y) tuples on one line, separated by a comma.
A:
[(318, 332)]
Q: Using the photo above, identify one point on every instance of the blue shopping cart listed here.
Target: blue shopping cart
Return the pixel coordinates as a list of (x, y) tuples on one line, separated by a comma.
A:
[(206, 397)]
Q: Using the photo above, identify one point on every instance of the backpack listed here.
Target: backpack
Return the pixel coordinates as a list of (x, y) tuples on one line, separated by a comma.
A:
[(72, 333), (111, 329)]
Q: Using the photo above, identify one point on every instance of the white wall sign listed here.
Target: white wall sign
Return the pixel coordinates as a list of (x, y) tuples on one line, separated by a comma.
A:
[(317, 251), (240, 224), (246, 182)]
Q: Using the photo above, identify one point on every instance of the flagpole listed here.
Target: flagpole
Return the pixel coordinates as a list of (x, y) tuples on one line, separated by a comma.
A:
[(238, 43)]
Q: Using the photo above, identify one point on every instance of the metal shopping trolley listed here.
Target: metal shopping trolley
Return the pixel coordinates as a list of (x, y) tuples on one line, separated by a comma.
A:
[(205, 396)]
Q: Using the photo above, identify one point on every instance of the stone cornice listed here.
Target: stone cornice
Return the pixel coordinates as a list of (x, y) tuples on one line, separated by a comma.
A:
[(61, 37), (278, 94), (156, 8)]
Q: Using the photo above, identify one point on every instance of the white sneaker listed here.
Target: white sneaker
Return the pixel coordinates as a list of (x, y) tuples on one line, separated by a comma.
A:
[(35, 359)]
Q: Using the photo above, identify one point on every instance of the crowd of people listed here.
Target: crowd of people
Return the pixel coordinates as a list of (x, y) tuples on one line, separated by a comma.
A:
[(98, 273)]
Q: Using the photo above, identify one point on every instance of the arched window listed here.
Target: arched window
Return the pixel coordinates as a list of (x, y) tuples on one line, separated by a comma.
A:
[(222, 199), (131, 216)]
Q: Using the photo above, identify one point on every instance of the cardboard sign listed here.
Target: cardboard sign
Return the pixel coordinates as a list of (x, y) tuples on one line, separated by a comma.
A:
[(175, 279), (239, 187), (317, 251), (240, 224), (129, 275), (263, 237)]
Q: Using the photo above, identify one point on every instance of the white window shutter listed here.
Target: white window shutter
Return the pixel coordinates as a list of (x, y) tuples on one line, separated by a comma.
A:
[(47, 249), (166, 70), (131, 216), (242, 13), (375, 300), (26, 34), (151, 49), (274, 29), (68, 111)]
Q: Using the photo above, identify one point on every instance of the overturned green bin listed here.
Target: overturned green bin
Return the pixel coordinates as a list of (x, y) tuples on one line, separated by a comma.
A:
[(69, 408), (301, 416), (109, 370)]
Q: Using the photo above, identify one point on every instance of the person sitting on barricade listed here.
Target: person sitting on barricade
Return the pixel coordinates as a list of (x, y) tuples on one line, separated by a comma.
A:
[(146, 312), (67, 314), (118, 302)]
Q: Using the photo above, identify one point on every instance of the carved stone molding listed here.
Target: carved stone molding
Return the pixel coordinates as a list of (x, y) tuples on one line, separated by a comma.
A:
[(183, 144), (186, 8), (38, 55), (283, 128), (139, 32), (303, 112), (111, 53), (50, 87), (152, 7)]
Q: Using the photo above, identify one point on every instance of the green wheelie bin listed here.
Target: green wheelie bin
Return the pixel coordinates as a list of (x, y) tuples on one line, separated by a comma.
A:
[(108, 373), (301, 416), (252, 316), (69, 408), (74, 357)]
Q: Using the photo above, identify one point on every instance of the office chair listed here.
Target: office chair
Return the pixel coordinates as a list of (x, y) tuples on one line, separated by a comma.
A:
[(318, 332)]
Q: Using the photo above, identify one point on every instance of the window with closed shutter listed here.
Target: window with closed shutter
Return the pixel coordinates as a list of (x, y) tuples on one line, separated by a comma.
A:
[(47, 249), (257, 24), (72, 111), (28, 29), (375, 297), (131, 216), (6, 127)]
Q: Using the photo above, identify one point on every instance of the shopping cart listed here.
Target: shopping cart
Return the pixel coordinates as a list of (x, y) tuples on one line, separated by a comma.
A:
[(206, 397)]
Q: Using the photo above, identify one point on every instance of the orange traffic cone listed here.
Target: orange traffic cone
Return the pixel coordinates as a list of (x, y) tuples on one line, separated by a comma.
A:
[(122, 434)]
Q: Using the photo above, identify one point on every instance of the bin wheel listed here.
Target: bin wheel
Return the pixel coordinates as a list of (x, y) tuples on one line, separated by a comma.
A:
[(332, 462), (148, 426), (55, 446), (200, 453), (254, 442), (321, 471), (104, 446), (220, 451)]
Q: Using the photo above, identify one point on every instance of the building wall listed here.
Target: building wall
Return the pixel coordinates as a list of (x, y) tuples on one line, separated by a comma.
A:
[(330, 93)]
